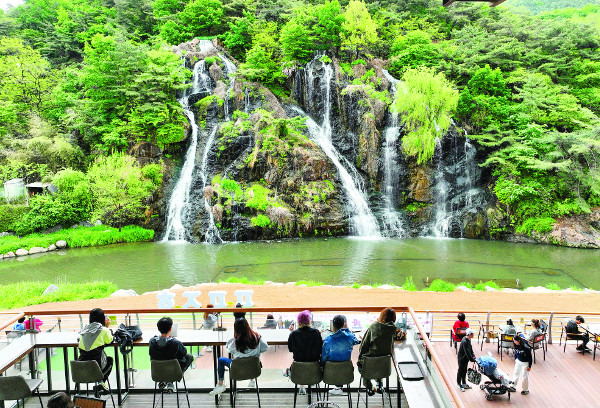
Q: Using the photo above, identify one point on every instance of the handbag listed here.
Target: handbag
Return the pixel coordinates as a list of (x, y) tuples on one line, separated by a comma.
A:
[(473, 376)]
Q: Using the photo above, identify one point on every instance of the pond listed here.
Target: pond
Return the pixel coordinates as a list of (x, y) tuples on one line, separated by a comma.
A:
[(339, 261)]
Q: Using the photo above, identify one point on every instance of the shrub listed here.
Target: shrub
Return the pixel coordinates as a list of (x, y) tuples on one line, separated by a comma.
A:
[(552, 286), (481, 285), (540, 225), (409, 285), (439, 285), (260, 221), (211, 60), (11, 215)]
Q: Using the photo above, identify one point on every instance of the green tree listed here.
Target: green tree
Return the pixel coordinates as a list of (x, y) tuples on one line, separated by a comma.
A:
[(297, 41), (238, 39), (119, 189), (359, 30), (425, 103), (413, 50), (260, 66), (328, 25)]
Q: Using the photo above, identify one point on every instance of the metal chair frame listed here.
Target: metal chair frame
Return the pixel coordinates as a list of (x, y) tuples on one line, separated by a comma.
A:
[(98, 377), (503, 338), (371, 360), (27, 387), (178, 376), (326, 376), (233, 377), (460, 333)]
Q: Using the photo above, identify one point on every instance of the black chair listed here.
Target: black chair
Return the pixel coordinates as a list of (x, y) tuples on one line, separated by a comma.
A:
[(596, 340), (376, 368), (503, 339), (305, 373), (18, 388), (539, 342), (248, 368), (569, 336), (88, 372), (339, 373), (167, 371)]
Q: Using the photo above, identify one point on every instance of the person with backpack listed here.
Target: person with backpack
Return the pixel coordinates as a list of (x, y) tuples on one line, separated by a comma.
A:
[(573, 332), (92, 340), (523, 362), (465, 355), (165, 347)]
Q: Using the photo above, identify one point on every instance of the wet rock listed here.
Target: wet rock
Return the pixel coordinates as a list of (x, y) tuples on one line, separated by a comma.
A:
[(37, 250), (215, 72), (52, 247), (21, 252), (145, 153), (9, 254), (61, 244)]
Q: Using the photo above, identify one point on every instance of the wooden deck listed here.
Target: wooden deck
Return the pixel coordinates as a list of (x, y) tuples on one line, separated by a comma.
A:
[(563, 380), (567, 379)]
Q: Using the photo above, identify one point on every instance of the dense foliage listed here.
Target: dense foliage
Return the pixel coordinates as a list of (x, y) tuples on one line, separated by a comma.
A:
[(83, 80)]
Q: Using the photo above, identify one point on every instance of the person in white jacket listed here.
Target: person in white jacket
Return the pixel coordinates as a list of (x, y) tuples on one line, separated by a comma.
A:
[(245, 343)]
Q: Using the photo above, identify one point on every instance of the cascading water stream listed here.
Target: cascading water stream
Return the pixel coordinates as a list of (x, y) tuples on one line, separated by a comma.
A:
[(456, 190), (393, 222), (362, 221), (212, 234), (179, 202)]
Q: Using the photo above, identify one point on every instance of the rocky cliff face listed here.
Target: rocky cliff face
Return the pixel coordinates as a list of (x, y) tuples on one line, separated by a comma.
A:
[(265, 177)]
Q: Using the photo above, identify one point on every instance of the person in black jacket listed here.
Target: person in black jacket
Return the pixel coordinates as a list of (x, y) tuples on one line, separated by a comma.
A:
[(465, 354), (165, 347), (305, 342), (523, 361)]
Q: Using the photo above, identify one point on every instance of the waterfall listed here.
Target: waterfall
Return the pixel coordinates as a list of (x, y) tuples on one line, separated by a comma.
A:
[(362, 221), (456, 186), (179, 203), (393, 221)]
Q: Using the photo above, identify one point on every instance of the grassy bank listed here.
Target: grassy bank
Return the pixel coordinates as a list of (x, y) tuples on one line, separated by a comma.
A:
[(437, 285), (14, 295), (78, 237)]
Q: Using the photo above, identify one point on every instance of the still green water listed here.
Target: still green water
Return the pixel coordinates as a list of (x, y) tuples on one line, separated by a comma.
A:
[(341, 261)]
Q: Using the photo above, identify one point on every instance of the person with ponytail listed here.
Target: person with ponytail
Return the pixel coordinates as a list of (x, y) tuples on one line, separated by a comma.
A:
[(245, 343)]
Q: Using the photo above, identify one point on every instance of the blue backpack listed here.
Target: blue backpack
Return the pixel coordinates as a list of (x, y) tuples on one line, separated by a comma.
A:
[(487, 364)]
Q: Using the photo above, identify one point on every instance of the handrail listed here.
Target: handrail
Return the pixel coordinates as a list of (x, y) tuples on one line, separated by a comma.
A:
[(8, 322), (219, 310), (295, 309), (436, 361)]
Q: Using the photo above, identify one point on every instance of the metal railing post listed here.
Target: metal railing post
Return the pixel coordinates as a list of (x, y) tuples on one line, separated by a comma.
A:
[(550, 328)]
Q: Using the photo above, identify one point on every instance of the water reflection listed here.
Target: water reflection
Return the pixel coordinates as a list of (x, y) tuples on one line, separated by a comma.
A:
[(152, 266)]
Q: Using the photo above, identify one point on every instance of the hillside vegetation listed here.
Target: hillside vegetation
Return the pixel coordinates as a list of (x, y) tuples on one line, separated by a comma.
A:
[(85, 83)]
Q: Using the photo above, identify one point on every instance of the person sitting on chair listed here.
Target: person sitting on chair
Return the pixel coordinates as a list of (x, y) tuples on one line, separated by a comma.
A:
[(165, 347), (270, 323), (60, 400), (20, 324), (92, 340), (338, 345), (536, 331), (508, 329), (239, 315), (461, 323), (245, 343), (305, 343), (573, 332), (378, 341)]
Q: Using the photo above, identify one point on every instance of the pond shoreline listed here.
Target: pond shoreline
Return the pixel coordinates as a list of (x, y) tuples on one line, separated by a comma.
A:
[(290, 295)]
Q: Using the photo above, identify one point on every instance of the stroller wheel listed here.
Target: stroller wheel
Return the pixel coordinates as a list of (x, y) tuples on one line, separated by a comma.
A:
[(481, 387), (488, 397)]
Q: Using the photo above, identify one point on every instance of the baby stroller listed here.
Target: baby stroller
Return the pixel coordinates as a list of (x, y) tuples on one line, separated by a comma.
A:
[(499, 383)]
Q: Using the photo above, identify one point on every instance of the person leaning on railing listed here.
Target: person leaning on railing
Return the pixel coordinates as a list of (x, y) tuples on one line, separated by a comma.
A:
[(378, 341), (92, 340)]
